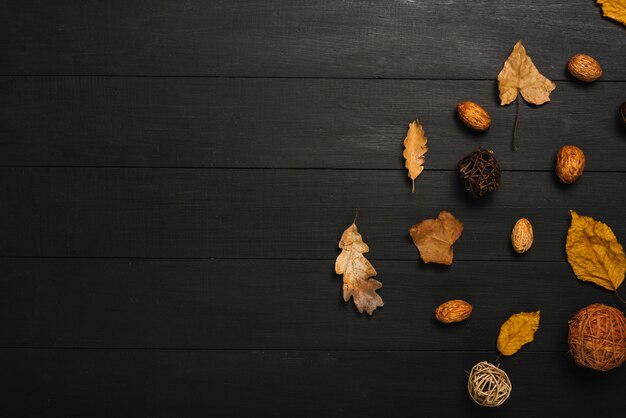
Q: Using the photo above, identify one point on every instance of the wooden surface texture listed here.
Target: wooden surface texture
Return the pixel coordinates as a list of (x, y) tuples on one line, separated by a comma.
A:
[(175, 177)]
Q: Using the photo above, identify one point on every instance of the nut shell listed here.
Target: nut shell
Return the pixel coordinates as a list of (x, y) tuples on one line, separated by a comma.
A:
[(522, 236), (453, 311), (570, 163), (584, 68), (473, 115)]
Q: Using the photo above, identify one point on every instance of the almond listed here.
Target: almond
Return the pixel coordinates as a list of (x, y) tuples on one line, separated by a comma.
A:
[(584, 68), (473, 115), (570, 163), (453, 311), (522, 236)]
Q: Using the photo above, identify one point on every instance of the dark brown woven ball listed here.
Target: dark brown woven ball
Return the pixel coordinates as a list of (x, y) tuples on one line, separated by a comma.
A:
[(480, 172), (597, 337)]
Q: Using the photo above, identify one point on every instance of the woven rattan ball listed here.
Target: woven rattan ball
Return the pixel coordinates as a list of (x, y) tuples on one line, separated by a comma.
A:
[(488, 385), (597, 337), (480, 172)]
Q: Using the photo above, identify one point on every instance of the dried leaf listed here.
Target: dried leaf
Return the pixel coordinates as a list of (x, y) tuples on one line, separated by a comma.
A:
[(519, 74), (414, 150), (357, 270), (594, 253), (614, 9), (434, 238), (516, 331)]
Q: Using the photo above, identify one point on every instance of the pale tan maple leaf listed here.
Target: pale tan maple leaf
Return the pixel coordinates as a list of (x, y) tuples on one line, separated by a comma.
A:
[(519, 75)]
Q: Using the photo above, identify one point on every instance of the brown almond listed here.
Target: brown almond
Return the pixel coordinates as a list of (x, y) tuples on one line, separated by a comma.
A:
[(453, 311), (522, 236), (584, 68), (473, 115), (570, 163)]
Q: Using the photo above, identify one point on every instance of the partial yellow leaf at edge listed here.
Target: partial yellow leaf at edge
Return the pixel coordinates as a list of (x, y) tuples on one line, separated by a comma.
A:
[(594, 253), (414, 150), (516, 331), (614, 9)]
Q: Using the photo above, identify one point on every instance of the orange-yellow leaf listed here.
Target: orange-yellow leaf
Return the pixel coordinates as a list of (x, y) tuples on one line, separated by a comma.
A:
[(519, 75), (594, 253), (357, 270), (414, 150), (614, 9), (516, 331), (434, 238)]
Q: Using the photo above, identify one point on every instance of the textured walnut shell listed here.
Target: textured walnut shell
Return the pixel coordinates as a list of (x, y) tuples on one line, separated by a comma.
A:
[(570, 163), (622, 113), (473, 115), (584, 68), (522, 236), (453, 311)]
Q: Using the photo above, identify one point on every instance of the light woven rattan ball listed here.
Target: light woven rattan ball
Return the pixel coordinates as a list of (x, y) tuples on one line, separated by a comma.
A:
[(488, 385), (597, 337)]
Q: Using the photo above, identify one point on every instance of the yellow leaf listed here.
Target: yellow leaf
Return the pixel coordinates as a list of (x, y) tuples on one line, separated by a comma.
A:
[(594, 253), (518, 330), (357, 270), (519, 74), (614, 9), (414, 150)]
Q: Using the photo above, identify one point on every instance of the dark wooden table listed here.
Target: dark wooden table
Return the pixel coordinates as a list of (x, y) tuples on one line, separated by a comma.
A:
[(175, 176)]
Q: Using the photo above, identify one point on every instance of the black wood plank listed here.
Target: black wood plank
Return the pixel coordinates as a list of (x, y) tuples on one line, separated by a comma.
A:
[(270, 304), (107, 212), (292, 383), (316, 38), (199, 122)]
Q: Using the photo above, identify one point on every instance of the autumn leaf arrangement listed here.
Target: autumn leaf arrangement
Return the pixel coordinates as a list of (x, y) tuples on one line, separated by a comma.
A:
[(597, 337)]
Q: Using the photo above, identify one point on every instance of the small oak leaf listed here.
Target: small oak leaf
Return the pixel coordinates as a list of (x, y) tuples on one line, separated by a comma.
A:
[(594, 252), (516, 331), (414, 150), (357, 270)]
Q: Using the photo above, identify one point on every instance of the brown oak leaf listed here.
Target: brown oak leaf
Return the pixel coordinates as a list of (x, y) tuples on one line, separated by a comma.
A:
[(434, 238), (519, 75), (357, 270), (414, 150)]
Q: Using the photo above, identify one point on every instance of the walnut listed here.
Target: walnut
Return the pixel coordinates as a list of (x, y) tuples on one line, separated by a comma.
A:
[(584, 68), (473, 115), (570, 163), (453, 311), (522, 236)]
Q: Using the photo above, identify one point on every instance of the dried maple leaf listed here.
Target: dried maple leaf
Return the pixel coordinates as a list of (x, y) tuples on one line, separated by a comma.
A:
[(516, 331), (614, 9), (519, 75), (594, 253), (434, 238), (357, 270), (414, 150)]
